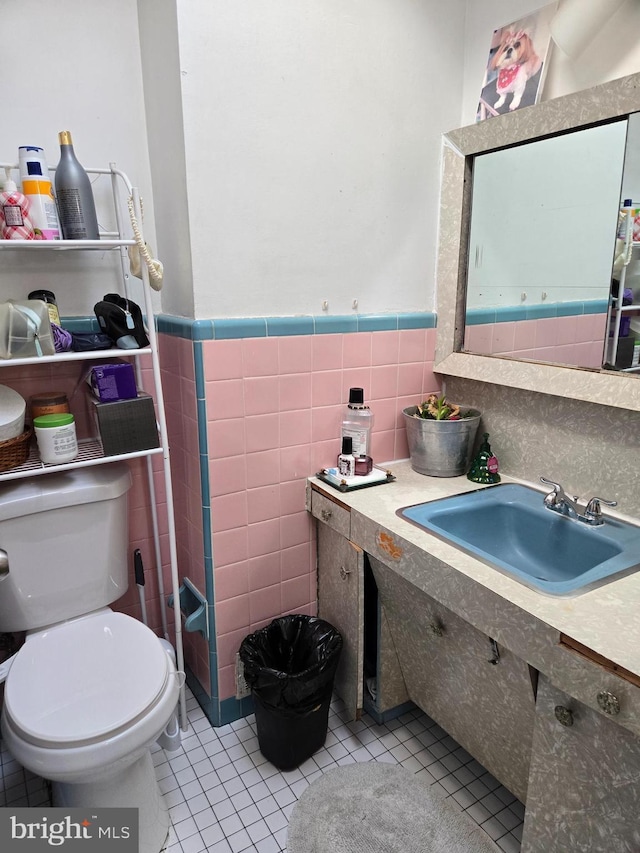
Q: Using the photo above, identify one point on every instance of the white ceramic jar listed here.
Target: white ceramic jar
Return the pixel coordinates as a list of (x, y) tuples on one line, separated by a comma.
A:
[(56, 437)]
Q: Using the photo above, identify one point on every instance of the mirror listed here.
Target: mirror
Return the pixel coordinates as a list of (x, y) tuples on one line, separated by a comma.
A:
[(609, 103), (544, 218)]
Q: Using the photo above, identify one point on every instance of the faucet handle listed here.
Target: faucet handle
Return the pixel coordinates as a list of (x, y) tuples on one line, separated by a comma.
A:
[(556, 496), (592, 512)]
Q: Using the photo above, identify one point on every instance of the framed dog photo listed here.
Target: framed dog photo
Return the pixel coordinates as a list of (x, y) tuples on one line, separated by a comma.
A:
[(517, 62)]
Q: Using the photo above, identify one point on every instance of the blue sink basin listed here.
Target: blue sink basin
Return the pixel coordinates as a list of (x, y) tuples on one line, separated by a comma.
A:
[(508, 527)]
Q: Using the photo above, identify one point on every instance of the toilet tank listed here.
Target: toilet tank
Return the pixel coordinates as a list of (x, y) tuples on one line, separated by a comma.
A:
[(66, 538)]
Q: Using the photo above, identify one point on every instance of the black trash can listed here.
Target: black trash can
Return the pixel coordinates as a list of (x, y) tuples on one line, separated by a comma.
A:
[(290, 666)]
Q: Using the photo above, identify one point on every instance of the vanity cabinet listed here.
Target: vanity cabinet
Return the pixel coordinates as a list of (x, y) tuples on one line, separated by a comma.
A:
[(341, 603), (555, 720), (478, 691), (584, 787), (342, 589)]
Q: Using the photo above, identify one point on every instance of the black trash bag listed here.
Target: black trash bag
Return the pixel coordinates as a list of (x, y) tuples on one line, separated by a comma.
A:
[(290, 666), (291, 662)]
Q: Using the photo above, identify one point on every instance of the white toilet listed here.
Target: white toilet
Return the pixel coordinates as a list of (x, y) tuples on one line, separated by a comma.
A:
[(90, 690)]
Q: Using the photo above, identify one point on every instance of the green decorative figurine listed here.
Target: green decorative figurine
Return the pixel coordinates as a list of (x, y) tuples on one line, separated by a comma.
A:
[(484, 468)]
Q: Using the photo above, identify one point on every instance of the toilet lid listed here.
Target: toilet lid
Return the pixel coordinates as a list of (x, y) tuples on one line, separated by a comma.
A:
[(79, 682)]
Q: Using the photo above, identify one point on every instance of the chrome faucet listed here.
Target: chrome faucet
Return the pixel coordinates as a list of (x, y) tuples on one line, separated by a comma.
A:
[(558, 501)]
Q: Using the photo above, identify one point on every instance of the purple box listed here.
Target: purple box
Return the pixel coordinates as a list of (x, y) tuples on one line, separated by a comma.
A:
[(113, 381)]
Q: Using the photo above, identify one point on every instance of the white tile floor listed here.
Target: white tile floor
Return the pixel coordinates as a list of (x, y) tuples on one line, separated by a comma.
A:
[(225, 797)]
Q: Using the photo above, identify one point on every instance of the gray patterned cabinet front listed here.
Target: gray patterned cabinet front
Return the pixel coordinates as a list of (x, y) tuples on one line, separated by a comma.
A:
[(584, 787), (477, 691), (341, 603)]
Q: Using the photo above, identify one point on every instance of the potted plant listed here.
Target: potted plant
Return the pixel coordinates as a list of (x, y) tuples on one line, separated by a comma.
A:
[(440, 436)]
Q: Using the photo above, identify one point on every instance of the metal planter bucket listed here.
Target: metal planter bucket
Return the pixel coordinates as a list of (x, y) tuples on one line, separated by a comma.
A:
[(440, 448)]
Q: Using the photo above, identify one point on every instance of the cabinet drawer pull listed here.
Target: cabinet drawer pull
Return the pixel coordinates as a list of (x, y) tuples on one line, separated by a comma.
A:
[(344, 573), (4, 562), (326, 514), (495, 652), (563, 715), (608, 703)]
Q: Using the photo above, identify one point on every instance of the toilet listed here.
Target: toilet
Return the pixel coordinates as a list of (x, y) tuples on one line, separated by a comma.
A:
[(91, 690)]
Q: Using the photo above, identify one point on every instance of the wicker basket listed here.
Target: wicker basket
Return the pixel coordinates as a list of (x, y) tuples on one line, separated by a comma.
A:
[(15, 451)]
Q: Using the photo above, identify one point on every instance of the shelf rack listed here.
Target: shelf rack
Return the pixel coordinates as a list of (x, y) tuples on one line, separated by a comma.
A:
[(90, 451), (616, 309)]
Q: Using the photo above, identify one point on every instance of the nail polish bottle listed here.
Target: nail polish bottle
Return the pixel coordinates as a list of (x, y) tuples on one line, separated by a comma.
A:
[(346, 460)]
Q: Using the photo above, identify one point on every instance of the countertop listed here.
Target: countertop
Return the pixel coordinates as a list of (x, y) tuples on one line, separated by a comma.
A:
[(605, 619)]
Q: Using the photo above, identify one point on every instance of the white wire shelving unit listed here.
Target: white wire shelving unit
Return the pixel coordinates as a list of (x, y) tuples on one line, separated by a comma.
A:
[(90, 451), (617, 309)]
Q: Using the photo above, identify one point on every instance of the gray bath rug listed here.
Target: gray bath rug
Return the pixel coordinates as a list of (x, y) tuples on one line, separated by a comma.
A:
[(380, 808)]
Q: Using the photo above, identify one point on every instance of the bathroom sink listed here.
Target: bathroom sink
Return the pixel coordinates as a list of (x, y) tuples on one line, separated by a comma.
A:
[(508, 527)]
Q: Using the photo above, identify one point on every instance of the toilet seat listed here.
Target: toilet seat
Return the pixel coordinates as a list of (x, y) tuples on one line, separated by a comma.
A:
[(86, 680)]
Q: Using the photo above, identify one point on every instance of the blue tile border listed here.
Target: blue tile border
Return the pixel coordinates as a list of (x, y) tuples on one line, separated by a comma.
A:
[(244, 327), (278, 327), (482, 316), (373, 323), (416, 321), (198, 366), (233, 328), (205, 492), (331, 325), (508, 314), (596, 306), (541, 311), (233, 709)]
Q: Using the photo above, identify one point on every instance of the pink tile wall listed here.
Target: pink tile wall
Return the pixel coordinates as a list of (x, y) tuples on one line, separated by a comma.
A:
[(274, 407), (575, 340)]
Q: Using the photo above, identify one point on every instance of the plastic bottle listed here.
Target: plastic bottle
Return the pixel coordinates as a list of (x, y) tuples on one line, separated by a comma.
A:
[(76, 206), (357, 423), (36, 185), (15, 222), (346, 459), (56, 438)]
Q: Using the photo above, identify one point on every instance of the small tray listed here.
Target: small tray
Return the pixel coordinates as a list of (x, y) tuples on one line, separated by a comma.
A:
[(377, 477)]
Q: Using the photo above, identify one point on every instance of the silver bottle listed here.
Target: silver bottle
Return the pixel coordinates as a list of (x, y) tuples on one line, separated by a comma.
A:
[(76, 207)]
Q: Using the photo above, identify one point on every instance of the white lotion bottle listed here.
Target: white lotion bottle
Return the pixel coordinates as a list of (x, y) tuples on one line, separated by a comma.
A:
[(76, 206), (358, 422), (36, 186)]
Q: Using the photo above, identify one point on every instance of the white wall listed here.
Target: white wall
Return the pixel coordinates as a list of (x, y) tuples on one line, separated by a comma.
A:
[(309, 141), (312, 135), (160, 53), (75, 66)]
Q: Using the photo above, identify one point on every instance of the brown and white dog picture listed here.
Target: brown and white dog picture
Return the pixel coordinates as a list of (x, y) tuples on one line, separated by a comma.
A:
[(516, 61)]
